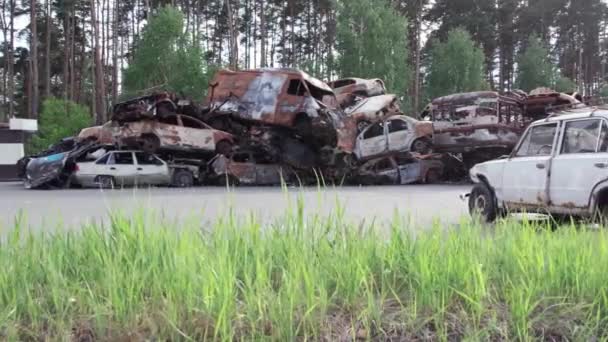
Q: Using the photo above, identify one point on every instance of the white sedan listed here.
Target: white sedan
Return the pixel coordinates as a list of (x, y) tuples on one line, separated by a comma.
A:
[(120, 168), (559, 167)]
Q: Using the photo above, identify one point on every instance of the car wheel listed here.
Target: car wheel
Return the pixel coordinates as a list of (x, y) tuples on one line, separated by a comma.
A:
[(482, 203), (421, 146), (183, 179), (224, 147), (106, 182)]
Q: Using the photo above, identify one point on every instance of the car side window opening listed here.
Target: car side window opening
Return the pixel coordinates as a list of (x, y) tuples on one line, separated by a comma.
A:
[(242, 158), (397, 125), (103, 159), (538, 141), (581, 136), (375, 130), (603, 143), (123, 158), (169, 120), (296, 87), (189, 122), (147, 159)]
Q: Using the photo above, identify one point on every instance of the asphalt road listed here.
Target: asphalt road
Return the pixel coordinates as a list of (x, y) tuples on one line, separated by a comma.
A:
[(419, 205)]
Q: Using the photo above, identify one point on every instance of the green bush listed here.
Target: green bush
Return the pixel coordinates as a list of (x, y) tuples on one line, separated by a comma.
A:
[(59, 119)]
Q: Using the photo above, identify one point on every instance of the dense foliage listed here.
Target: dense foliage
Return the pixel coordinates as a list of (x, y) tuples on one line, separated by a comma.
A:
[(456, 66), (59, 119)]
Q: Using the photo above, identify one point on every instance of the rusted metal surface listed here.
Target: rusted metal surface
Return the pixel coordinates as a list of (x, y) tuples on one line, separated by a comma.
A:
[(249, 168), (160, 103), (173, 134), (374, 108), (350, 90), (272, 96), (401, 168), (101, 134)]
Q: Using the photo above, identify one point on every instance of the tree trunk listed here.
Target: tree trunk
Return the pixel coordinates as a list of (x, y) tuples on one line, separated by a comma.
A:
[(234, 50), (263, 35), (34, 60), (66, 56), (100, 95), (47, 54), (11, 63), (115, 55)]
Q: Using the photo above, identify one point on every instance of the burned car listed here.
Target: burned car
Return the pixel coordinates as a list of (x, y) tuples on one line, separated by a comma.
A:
[(350, 90), (249, 168), (104, 134), (55, 170), (279, 97), (369, 110), (395, 134), (175, 132), (155, 104), (400, 168)]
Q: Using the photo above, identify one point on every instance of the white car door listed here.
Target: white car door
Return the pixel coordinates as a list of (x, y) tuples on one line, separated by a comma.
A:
[(150, 169), (582, 163), (372, 141), (121, 166), (399, 134), (525, 175)]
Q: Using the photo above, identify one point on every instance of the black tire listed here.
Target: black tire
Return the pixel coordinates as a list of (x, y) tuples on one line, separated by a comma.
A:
[(482, 203), (106, 182), (303, 125), (224, 147), (183, 179), (421, 146)]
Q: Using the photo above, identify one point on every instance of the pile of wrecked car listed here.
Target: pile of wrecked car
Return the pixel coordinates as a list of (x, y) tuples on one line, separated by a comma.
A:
[(268, 126)]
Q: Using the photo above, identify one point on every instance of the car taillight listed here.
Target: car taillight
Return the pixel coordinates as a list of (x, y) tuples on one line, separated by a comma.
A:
[(76, 168)]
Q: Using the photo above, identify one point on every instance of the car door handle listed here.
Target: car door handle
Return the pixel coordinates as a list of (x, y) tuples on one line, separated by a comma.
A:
[(540, 166), (139, 169), (112, 168), (601, 165)]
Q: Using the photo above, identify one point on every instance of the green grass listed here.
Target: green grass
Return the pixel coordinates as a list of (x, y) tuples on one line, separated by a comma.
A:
[(302, 278)]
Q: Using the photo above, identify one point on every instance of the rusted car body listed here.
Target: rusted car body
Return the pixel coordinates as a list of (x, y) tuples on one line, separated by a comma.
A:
[(104, 134), (372, 109), (349, 90), (250, 168), (395, 134), (175, 133), (280, 97), (145, 107), (400, 168), (478, 120)]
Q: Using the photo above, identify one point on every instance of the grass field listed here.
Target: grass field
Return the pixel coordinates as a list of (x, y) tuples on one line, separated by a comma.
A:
[(303, 278)]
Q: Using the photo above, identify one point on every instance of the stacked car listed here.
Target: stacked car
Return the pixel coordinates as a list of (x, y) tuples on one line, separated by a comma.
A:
[(265, 126)]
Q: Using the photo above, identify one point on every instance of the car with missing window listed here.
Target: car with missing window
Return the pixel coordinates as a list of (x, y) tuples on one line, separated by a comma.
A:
[(127, 168), (559, 167), (399, 169), (249, 167), (175, 132), (394, 134)]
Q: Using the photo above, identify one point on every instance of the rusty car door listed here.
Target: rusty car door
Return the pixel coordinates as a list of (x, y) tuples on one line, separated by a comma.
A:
[(291, 101), (582, 163), (525, 175), (388, 169), (194, 133)]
